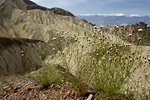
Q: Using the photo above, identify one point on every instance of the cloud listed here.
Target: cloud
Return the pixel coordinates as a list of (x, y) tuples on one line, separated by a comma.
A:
[(80, 0), (103, 2), (134, 15), (113, 14), (37, 0), (116, 0)]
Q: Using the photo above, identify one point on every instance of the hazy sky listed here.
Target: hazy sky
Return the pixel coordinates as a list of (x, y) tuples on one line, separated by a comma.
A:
[(127, 7)]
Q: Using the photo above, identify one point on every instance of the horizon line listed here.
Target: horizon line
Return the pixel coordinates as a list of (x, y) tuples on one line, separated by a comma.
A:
[(112, 14)]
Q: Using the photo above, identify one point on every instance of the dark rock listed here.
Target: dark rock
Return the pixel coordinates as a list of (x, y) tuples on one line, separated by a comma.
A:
[(61, 12), (31, 5), (19, 55)]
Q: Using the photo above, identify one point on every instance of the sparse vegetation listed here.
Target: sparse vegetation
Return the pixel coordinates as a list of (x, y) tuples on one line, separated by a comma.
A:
[(48, 75), (109, 65), (105, 69)]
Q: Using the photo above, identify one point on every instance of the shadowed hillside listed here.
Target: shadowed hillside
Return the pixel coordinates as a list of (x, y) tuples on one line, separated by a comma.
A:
[(20, 55)]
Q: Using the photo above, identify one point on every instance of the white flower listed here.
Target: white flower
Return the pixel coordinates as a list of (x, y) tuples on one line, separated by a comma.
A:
[(54, 38), (95, 27), (110, 59), (93, 35), (76, 39), (53, 49), (33, 31), (130, 34), (22, 51), (129, 44), (135, 66), (140, 30), (139, 39), (57, 33), (148, 59), (22, 55), (65, 33), (101, 26), (116, 26), (103, 58), (50, 44), (108, 52)]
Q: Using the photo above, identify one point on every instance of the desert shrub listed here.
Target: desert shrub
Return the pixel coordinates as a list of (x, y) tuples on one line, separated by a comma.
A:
[(108, 65), (48, 75), (55, 73), (111, 68)]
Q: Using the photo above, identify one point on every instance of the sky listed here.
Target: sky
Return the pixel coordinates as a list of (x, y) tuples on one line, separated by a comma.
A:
[(103, 7)]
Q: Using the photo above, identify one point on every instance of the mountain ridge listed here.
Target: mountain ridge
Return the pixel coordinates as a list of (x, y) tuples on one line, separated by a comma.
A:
[(115, 20), (31, 5)]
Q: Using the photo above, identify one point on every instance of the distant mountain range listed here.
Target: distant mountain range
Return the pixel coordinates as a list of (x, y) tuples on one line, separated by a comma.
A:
[(115, 20)]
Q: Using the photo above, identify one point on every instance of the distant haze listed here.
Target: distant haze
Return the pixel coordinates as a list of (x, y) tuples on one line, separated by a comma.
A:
[(114, 19)]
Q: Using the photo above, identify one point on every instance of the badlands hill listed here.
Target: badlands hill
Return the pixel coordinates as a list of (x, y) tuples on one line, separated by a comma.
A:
[(131, 33), (41, 25)]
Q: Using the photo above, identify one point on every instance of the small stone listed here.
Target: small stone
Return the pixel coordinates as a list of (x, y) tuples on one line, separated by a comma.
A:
[(90, 97), (6, 87), (52, 86), (68, 93)]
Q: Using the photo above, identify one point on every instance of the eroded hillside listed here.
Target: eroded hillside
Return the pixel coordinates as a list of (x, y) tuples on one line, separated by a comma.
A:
[(17, 22), (136, 33), (36, 24)]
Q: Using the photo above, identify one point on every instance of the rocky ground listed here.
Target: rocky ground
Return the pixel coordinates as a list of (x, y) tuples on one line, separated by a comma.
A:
[(24, 88), (18, 87)]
